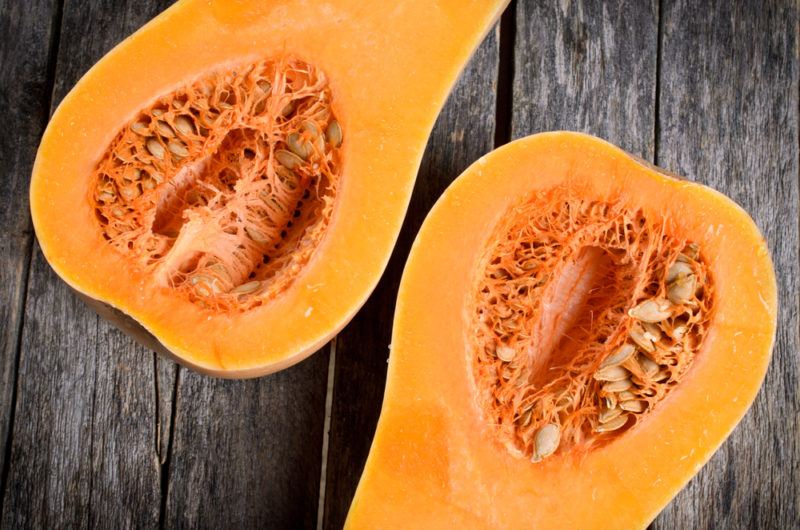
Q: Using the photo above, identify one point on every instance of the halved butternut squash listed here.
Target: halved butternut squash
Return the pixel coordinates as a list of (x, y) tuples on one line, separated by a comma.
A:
[(576, 333), (227, 183)]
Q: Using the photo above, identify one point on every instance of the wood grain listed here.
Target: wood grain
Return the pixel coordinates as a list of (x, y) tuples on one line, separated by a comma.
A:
[(708, 90), (463, 132), (247, 453), (84, 442), (729, 118), (587, 66), (25, 108)]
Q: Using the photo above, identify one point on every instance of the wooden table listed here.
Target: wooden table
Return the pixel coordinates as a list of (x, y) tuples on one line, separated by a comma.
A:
[(97, 431)]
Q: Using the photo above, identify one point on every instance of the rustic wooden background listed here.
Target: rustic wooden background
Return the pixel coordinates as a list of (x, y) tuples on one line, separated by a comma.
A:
[(97, 431)]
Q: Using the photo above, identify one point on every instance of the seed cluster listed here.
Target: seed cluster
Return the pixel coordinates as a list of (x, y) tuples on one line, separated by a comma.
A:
[(546, 386), (223, 188)]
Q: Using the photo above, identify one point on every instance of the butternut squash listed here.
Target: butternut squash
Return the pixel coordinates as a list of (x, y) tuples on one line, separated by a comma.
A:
[(227, 183), (576, 333)]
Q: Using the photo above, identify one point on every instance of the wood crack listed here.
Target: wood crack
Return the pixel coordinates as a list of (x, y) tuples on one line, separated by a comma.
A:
[(505, 75)]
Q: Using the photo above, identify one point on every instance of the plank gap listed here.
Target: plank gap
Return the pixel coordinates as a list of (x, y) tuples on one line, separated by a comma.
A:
[(657, 98), (97, 341), (164, 467), (157, 415), (326, 427), (505, 75), (28, 249)]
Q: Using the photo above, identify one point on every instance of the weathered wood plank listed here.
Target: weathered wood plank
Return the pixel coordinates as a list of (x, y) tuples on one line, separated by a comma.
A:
[(463, 132), (247, 454), (27, 29), (84, 441), (729, 118), (587, 66)]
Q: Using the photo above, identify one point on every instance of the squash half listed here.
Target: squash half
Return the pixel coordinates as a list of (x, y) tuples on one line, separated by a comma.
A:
[(439, 460), (385, 70)]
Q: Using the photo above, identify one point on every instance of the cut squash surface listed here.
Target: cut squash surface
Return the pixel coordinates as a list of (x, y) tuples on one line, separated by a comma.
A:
[(232, 177), (576, 333)]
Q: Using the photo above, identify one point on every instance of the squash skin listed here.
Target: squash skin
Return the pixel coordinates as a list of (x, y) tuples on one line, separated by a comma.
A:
[(367, 53), (435, 464)]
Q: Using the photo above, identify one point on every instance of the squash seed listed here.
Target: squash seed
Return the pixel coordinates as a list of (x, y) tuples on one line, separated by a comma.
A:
[(164, 129), (184, 125), (333, 133), (155, 148), (638, 335), (288, 159), (649, 367), (652, 332), (256, 236), (178, 148), (678, 270), (617, 386), (611, 373), (139, 128), (652, 310), (618, 357), (288, 108), (678, 332), (612, 425), (312, 128), (316, 135), (220, 271), (198, 278), (660, 376), (626, 395), (633, 406), (607, 415), (246, 288), (682, 290), (546, 441), (106, 196), (264, 85), (298, 146), (689, 252), (130, 192), (505, 353)]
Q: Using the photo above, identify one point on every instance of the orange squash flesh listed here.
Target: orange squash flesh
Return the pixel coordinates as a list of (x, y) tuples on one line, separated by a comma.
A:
[(389, 69), (435, 461)]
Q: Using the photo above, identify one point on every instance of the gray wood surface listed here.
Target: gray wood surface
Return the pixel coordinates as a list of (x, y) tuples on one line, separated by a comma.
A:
[(99, 432), (728, 117), (587, 66), (83, 450), (25, 110), (247, 454)]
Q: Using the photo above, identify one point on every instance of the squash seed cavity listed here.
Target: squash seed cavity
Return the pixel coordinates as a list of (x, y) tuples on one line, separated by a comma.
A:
[(584, 315), (223, 189)]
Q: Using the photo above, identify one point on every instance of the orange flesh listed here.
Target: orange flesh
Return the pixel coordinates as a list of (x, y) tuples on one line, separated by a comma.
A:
[(223, 189), (436, 462), (388, 69), (559, 276)]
